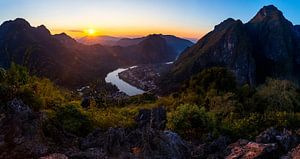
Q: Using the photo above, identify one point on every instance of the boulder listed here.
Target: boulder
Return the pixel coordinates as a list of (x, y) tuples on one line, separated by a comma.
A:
[(21, 133), (55, 156), (252, 150), (286, 140), (155, 118), (295, 154)]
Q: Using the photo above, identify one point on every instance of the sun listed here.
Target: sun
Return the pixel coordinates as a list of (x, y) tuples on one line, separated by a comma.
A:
[(90, 31)]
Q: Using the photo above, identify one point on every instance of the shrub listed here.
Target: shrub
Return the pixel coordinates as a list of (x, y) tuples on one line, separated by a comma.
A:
[(29, 98), (73, 119), (113, 117), (189, 120), (277, 95), (17, 75), (217, 78)]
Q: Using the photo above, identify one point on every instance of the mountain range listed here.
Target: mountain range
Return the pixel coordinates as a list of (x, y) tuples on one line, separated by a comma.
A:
[(178, 44), (72, 64), (266, 46)]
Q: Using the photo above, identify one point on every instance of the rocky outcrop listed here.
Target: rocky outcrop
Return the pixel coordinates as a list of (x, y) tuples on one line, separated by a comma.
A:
[(55, 156), (252, 150), (286, 140), (21, 134), (295, 153), (148, 140), (213, 149), (269, 144)]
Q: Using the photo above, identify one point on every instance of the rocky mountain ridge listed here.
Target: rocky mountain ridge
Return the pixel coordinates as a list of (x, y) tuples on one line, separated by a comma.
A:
[(266, 46)]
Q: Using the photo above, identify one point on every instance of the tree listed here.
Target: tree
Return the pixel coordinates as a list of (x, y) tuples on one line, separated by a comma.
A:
[(277, 95)]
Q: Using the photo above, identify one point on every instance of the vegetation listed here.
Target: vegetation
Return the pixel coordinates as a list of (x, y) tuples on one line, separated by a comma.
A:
[(211, 102), (237, 111)]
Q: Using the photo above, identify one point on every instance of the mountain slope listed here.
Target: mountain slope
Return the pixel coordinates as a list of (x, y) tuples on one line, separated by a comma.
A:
[(276, 49), (177, 44), (227, 46), (267, 46)]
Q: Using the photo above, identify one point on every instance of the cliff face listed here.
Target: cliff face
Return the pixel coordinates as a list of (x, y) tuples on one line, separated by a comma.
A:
[(228, 45), (266, 46), (275, 45)]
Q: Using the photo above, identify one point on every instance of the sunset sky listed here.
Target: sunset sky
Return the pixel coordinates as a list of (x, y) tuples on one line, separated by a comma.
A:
[(185, 18)]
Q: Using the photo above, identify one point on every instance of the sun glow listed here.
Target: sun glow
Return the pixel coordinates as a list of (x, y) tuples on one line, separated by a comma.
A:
[(90, 31)]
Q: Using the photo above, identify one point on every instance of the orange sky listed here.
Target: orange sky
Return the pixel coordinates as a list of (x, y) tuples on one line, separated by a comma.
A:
[(131, 32)]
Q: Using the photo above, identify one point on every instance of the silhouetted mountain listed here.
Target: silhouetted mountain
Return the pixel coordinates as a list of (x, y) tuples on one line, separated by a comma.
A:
[(129, 41), (267, 46), (103, 40), (152, 49), (297, 29), (176, 43), (65, 39), (67, 62), (276, 51), (227, 46), (58, 57)]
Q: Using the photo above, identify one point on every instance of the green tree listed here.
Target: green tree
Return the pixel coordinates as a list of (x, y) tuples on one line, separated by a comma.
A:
[(189, 120), (277, 95)]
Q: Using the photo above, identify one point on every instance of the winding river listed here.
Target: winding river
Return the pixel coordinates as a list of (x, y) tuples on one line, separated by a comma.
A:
[(114, 79)]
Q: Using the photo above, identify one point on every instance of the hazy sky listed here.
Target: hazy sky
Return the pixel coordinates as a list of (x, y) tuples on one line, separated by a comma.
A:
[(185, 18)]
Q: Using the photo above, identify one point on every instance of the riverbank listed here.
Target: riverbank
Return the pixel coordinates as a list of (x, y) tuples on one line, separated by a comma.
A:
[(127, 88), (146, 76)]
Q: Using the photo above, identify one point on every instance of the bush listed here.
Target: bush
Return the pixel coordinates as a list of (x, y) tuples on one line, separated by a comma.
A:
[(189, 121), (113, 117), (250, 126), (277, 95), (73, 119), (29, 98), (17, 75), (217, 78)]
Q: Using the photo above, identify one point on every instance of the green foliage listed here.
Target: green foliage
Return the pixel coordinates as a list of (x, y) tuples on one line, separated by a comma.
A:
[(113, 117), (222, 104), (2, 74), (17, 75), (73, 119), (254, 123), (217, 78), (189, 120), (28, 97), (277, 95)]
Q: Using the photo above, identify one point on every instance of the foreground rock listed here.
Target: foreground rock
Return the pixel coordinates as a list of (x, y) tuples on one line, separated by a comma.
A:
[(286, 140), (23, 136), (149, 140), (20, 132), (252, 150)]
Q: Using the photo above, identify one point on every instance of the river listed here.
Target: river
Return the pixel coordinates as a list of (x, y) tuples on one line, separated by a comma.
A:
[(114, 79)]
